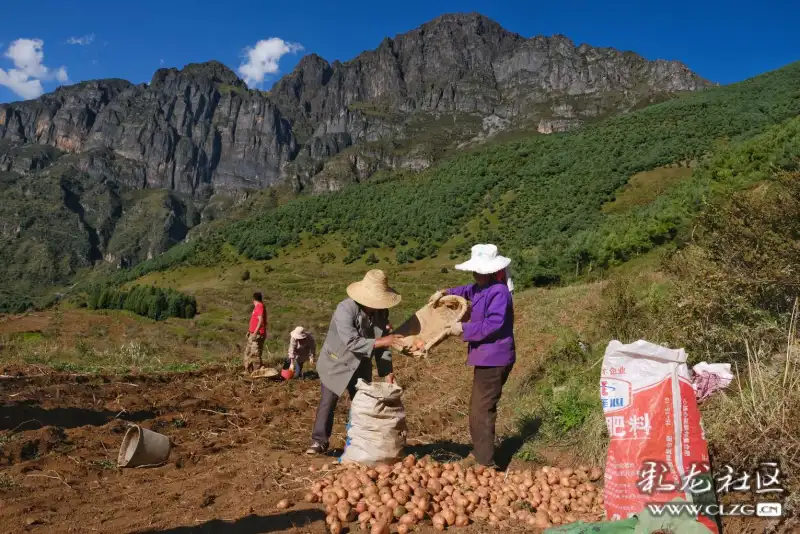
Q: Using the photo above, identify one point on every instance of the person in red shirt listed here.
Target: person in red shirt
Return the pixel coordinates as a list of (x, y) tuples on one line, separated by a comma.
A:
[(256, 335)]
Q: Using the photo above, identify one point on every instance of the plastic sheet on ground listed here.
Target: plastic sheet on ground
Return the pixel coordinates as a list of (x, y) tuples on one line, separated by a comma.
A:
[(642, 523)]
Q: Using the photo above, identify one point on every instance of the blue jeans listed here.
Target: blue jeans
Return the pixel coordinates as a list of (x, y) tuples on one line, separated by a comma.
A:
[(297, 367)]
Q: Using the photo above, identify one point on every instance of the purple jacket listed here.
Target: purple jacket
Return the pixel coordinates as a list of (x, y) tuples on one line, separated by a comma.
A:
[(490, 330)]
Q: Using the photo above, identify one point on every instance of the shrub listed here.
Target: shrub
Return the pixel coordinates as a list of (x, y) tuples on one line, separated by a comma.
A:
[(739, 280), (245, 276), (147, 301)]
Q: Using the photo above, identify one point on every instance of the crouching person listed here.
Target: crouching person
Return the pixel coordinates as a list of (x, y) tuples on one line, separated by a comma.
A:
[(302, 348)]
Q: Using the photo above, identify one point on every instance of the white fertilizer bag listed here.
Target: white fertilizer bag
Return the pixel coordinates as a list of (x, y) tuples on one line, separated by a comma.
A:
[(376, 433)]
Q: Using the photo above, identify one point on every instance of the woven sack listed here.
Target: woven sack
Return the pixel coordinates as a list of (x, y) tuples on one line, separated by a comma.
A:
[(429, 325), (376, 433)]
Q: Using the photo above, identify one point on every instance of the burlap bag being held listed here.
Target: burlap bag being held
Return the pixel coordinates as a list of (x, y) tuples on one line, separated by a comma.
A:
[(377, 429), (429, 325)]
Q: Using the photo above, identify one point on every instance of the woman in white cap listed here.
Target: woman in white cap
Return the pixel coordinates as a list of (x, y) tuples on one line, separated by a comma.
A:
[(490, 337), (359, 332), (302, 348)]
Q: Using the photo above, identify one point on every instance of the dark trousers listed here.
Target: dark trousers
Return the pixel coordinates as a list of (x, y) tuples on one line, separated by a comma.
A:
[(487, 387), (323, 424)]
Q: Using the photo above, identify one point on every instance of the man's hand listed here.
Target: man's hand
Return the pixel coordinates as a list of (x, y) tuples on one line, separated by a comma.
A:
[(436, 297), (390, 341), (455, 329), (390, 378)]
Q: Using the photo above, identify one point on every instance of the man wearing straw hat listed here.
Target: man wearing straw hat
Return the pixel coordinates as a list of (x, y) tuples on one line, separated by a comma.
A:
[(359, 332), (490, 337)]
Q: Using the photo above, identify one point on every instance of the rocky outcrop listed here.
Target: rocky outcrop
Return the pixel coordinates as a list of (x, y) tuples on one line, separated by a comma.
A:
[(200, 130), (548, 126), (194, 131), (463, 64)]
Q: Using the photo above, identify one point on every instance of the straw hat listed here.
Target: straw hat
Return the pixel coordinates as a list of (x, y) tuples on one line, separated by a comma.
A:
[(484, 260), (299, 333), (373, 291)]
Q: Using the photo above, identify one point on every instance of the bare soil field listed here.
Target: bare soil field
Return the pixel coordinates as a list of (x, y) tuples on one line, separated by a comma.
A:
[(238, 447)]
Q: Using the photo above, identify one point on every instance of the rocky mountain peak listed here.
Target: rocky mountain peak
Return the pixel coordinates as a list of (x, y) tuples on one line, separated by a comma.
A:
[(199, 129), (209, 72), (474, 22)]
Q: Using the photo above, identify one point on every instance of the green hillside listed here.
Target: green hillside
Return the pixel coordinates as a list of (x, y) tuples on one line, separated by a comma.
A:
[(540, 198)]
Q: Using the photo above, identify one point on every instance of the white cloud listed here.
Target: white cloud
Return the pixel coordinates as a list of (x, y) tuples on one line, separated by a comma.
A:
[(83, 40), (262, 59), (21, 84), (160, 61), (26, 78)]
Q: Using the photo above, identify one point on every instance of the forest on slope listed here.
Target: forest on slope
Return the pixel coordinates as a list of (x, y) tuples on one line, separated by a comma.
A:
[(540, 198)]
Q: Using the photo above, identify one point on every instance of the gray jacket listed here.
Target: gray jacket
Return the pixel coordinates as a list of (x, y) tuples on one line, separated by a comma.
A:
[(350, 343)]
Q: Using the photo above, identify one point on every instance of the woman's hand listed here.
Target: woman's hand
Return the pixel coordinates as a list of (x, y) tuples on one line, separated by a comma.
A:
[(390, 341)]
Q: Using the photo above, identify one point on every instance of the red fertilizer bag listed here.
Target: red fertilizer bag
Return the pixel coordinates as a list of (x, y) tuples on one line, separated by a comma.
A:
[(658, 451)]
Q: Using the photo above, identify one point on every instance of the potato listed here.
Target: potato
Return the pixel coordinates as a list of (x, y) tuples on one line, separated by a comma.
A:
[(380, 528), (462, 520), (439, 522), (330, 498), (403, 529), (595, 473), (310, 497), (407, 519), (449, 516), (346, 515), (336, 527), (383, 514), (481, 514)]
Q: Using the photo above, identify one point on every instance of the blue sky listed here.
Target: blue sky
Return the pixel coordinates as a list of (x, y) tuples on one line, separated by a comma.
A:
[(724, 41)]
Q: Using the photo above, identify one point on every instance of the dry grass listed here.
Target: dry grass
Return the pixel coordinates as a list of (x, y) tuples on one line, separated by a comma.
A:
[(759, 418)]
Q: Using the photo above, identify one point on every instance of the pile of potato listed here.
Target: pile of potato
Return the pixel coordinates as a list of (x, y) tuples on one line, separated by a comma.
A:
[(450, 495)]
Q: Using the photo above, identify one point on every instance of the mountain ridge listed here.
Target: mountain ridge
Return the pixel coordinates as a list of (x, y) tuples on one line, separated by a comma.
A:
[(458, 63), (108, 171)]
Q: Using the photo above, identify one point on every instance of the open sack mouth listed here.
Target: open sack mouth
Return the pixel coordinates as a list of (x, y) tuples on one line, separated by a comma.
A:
[(428, 326)]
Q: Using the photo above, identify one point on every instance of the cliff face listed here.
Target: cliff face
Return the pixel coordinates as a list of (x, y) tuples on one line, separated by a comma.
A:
[(193, 130), (76, 157), (200, 130)]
